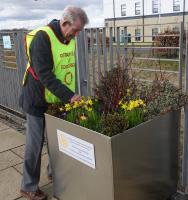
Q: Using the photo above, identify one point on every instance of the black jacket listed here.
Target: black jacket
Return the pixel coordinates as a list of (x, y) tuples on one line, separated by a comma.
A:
[(32, 99)]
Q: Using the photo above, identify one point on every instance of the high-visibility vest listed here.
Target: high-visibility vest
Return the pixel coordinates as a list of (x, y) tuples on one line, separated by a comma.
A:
[(63, 60)]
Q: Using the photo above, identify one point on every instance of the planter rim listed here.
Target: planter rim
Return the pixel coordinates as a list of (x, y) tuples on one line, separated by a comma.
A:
[(124, 132), (95, 132)]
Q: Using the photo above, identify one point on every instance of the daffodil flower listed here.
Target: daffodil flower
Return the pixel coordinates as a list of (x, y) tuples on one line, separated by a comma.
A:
[(83, 117), (76, 104), (89, 109), (67, 107), (124, 106), (89, 102)]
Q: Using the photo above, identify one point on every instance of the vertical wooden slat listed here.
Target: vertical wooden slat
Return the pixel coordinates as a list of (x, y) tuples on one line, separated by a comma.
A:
[(1, 53), (92, 57), (111, 50), (21, 59), (184, 180), (180, 54), (125, 48), (87, 62), (118, 45), (98, 53), (81, 64), (104, 49)]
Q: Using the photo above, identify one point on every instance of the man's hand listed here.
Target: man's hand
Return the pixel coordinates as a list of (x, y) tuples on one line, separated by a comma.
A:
[(76, 97)]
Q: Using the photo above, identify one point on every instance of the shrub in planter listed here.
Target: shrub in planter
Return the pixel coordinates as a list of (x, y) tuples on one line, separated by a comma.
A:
[(121, 103), (120, 144)]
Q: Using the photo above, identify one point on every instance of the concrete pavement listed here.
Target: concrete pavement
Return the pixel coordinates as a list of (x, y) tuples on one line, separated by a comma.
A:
[(12, 144)]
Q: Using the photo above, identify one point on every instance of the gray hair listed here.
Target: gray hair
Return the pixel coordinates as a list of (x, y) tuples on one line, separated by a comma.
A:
[(71, 13)]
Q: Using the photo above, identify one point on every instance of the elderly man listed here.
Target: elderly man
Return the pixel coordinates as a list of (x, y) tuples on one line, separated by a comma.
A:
[(49, 78)]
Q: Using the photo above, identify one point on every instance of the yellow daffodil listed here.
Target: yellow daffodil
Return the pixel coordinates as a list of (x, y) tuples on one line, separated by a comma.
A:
[(131, 105), (76, 104), (141, 102), (83, 117), (82, 102), (83, 98), (67, 107), (134, 104), (89, 102), (124, 106), (89, 109)]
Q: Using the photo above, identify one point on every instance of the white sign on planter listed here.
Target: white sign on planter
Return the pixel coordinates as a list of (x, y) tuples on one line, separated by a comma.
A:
[(76, 148), (6, 42)]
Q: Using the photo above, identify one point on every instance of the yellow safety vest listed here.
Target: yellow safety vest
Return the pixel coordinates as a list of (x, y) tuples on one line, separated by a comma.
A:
[(63, 59)]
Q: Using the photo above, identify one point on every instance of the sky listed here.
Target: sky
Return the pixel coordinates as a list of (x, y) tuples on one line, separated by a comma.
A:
[(34, 13)]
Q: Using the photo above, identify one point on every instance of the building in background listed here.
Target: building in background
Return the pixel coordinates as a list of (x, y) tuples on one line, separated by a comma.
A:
[(156, 15)]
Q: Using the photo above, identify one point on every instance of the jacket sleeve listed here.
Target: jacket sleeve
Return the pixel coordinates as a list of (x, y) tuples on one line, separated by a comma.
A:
[(42, 63)]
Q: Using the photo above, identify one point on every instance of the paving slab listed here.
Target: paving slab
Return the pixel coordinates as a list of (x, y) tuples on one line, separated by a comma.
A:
[(10, 139), (9, 184), (43, 179), (20, 150), (3, 126), (9, 159)]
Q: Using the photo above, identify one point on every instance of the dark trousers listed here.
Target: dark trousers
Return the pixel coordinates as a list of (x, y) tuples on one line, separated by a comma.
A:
[(33, 148)]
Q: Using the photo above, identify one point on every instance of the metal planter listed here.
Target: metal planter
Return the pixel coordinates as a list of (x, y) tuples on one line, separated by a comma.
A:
[(139, 164)]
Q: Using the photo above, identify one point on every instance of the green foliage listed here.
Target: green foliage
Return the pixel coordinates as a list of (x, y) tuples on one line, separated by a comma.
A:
[(121, 103), (113, 123), (163, 97), (135, 116), (133, 110)]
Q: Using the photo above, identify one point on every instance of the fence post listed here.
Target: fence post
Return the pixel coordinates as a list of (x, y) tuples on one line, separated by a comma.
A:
[(185, 150), (118, 45), (21, 60), (104, 49), (87, 61), (180, 54), (81, 64), (111, 50), (98, 46), (125, 48)]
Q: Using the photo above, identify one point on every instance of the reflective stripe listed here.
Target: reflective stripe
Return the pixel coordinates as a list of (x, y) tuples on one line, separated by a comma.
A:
[(31, 70)]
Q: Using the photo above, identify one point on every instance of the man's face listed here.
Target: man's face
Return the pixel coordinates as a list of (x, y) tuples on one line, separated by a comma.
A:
[(72, 30)]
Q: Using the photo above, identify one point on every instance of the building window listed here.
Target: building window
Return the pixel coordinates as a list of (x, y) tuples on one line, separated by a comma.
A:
[(137, 34), (155, 6), (155, 32), (137, 8), (176, 29), (106, 24), (129, 38), (176, 5), (123, 9)]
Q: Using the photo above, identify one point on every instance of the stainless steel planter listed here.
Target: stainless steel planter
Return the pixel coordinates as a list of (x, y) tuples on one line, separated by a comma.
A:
[(139, 164)]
